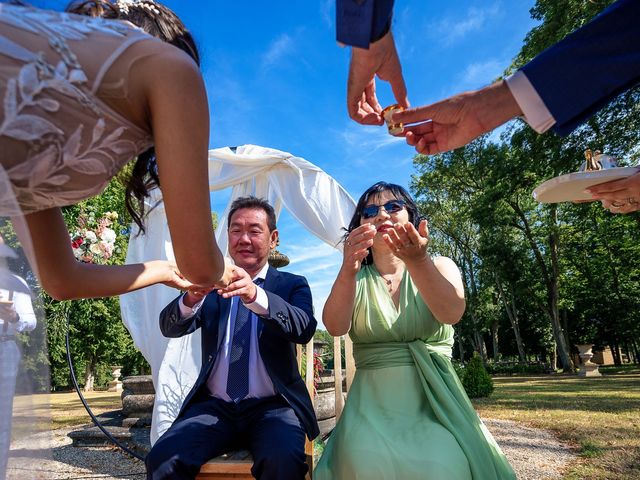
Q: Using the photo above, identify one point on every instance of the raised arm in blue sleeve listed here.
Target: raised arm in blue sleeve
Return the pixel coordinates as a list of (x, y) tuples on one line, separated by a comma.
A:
[(360, 22), (586, 70)]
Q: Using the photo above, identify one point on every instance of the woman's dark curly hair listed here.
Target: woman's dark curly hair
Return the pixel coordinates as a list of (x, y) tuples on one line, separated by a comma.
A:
[(160, 22), (398, 192)]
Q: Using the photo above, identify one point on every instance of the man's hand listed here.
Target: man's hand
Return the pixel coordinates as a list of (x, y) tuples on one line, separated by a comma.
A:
[(456, 121), (8, 312), (241, 286), (382, 59)]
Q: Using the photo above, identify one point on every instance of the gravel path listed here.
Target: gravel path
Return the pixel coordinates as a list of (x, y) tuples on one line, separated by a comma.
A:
[(534, 454)]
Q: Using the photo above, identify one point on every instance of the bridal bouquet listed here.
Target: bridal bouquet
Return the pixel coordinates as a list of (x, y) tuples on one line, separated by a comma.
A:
[(94, 241)]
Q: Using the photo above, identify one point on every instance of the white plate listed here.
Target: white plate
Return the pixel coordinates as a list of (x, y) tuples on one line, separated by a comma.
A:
[(570, 187)]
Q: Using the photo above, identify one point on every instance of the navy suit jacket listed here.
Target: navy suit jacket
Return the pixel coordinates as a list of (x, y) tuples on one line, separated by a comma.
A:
[(587, 69), (290, 321)]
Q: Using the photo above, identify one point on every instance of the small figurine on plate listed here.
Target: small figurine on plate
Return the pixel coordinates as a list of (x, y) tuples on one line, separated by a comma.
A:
[(597, 169)]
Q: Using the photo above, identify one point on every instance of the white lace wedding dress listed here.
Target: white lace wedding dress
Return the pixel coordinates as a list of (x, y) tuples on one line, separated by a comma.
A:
[(63, 136)]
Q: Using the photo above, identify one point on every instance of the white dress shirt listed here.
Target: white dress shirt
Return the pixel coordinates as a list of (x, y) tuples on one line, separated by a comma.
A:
[(260, 384), (535, 112), (26, 317)]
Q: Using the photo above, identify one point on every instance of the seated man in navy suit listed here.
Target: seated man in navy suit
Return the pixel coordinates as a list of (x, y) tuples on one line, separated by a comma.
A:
[(249, 393)]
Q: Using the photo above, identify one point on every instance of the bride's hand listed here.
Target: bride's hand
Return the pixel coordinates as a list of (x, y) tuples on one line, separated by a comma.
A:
[(174, 278), (228, 275)]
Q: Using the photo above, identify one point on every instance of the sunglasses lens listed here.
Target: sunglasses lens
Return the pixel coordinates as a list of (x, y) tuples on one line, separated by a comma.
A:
[(393, 206), (370, 211)]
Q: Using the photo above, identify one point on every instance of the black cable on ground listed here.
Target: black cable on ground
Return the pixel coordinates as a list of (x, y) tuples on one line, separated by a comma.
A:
[(86, 406)]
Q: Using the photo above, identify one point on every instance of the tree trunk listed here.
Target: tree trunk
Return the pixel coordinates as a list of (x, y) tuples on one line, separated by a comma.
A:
[(479, 345), (89, 377), (615, 352), (563, 349), (550, 279), (494, 339), (512, 314)]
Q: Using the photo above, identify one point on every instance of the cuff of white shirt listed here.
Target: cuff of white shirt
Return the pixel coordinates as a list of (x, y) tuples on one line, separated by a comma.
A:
[(260, 306), (186, 312), (536, 113)]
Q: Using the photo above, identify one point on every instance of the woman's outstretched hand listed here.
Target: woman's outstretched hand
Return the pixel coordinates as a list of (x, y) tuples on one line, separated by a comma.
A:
[(407, 243), (356, 247), (173, 277)]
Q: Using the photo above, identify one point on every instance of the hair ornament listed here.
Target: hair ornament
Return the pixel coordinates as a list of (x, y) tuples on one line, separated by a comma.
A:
[(148, 5)]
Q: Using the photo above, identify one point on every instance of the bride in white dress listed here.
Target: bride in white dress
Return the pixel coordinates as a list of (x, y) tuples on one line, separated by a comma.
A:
[(81, 98)]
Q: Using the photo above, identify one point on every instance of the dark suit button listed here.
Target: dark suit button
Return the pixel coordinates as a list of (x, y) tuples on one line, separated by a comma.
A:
[(173, 317), (210, 357), (280, 315)]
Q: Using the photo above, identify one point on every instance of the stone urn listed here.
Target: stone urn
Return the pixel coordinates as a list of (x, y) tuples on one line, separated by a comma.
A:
[(115, 385), (587, 367)]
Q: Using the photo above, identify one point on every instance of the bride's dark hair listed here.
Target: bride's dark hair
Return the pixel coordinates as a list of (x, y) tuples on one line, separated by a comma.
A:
[(160, 22)]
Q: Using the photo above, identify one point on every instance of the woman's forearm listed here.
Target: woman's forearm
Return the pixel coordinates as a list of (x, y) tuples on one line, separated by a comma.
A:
[(338, 308), (84, 280), (439, 288)]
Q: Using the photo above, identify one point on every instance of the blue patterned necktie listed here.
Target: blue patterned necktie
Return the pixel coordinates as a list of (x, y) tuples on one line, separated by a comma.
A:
[(238, 378)]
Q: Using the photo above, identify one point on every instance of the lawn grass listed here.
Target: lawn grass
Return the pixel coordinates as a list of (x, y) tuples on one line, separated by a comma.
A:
[(61, 410), (598, 417)]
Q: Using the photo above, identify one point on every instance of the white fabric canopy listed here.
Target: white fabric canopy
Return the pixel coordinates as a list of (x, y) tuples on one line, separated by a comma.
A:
[(315, 199)]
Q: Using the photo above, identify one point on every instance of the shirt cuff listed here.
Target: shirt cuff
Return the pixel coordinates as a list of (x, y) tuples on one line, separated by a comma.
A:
[(535, 112), (260, 306), (186, 312)]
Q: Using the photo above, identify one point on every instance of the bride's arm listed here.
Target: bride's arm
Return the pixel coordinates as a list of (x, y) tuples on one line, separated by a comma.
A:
[(65, 278), (180, 122)]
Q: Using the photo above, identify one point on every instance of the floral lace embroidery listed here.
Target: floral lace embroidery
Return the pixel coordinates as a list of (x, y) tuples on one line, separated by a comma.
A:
[(53, 157)]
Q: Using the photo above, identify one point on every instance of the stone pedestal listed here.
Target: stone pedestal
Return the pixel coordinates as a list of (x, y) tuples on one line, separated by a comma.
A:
[(115, 385), (138, 395), (587, 367)]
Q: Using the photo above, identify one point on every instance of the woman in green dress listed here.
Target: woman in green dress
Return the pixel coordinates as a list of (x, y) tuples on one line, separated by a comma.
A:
[(407, 415)]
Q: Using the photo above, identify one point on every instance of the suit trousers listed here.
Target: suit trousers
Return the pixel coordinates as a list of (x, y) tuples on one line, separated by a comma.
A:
[(267, 427)]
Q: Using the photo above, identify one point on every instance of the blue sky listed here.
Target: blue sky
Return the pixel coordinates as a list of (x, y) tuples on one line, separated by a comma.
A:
[(276, 77)]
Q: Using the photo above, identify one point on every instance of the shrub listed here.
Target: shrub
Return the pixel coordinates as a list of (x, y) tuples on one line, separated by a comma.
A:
[(475, 379), (516, 368)]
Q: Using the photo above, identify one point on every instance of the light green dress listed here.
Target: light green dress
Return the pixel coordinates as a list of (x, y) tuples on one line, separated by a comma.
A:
[(407, 415)]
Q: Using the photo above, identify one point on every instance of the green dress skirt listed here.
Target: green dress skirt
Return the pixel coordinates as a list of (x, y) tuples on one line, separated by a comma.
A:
[(407, 415)]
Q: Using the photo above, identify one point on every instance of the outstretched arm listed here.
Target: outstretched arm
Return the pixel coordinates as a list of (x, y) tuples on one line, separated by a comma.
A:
[(338, 308), (438, 281), (180, 123), (456, 121), (65, 278)]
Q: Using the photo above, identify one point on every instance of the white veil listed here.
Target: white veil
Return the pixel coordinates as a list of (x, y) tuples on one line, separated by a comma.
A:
[(25, 421)]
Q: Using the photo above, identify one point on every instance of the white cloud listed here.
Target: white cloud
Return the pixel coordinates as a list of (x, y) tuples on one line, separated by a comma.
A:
[(479, 74), (327, 13), (366, 140), (280, 48), (451, 30), (301, 254)]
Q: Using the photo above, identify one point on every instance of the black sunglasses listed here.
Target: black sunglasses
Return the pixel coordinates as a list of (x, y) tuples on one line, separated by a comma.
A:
[(392, 206)]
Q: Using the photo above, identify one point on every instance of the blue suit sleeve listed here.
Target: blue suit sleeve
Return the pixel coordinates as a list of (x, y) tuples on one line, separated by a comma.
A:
[(171, 323), (590, 67), (293, 318), (360, 22)]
